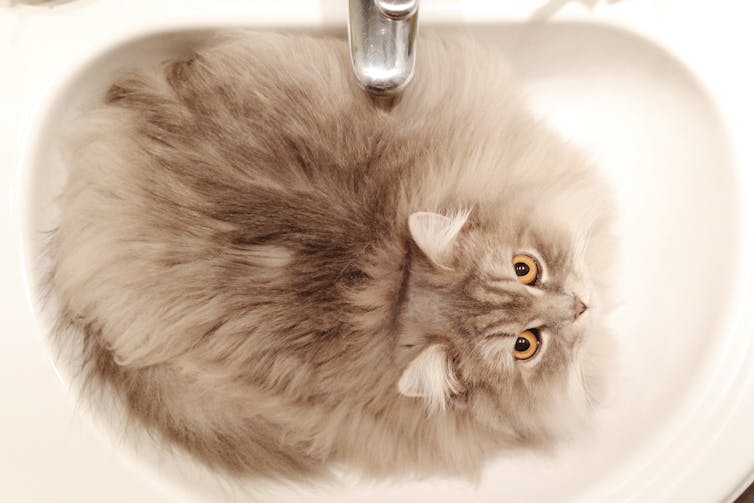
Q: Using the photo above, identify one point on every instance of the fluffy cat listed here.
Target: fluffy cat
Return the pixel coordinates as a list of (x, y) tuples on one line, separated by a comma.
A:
[(275, 274)]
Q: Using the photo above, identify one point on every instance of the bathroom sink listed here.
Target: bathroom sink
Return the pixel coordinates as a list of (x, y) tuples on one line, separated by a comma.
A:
[(665, 127)]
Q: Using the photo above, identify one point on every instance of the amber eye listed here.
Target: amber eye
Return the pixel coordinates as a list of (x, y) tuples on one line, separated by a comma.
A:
[(526, 345), (527, 270)]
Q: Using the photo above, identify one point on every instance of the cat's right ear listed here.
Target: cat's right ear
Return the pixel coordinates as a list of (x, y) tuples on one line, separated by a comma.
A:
[(431, 377), (436, 234)]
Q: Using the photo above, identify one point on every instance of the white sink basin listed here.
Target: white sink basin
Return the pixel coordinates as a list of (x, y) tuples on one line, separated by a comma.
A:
[(667, 127)]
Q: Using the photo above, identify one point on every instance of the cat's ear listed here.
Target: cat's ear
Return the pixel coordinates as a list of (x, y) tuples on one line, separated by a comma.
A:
[(431, 377), (436, 234)]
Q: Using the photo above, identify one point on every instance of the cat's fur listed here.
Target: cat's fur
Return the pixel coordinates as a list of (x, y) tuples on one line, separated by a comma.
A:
[(253, 257)]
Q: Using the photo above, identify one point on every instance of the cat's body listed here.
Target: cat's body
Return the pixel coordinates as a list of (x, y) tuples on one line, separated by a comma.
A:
[(235, 252)]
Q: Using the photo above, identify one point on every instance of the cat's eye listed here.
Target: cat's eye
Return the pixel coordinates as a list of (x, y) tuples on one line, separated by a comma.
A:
[(527, 344), (526, 268)]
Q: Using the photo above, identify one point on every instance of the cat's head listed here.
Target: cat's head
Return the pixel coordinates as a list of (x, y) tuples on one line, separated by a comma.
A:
[(502, 322)]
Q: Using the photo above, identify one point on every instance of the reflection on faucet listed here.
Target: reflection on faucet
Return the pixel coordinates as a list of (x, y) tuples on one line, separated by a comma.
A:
[(382, 36), (552, 7), (398, 9)]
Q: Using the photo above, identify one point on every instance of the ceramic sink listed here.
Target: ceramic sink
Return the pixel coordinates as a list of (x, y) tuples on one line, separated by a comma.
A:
[(663, 110)]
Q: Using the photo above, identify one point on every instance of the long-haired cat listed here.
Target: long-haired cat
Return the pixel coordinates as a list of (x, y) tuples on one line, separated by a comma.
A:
[(275, 274)]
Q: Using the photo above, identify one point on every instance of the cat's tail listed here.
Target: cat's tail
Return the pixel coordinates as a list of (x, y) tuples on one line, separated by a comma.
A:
[(173, 412)]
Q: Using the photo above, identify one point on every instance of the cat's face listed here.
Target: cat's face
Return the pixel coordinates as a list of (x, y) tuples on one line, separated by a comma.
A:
[(501, 321)]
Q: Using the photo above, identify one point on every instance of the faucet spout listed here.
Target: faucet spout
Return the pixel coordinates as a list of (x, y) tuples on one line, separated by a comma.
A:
[(382, 39)]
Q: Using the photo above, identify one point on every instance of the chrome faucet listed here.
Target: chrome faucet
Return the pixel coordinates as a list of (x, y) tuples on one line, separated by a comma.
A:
[(382, 36)]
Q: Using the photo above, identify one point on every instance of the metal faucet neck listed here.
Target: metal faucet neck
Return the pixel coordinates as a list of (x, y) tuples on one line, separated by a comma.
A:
[(382, 39)]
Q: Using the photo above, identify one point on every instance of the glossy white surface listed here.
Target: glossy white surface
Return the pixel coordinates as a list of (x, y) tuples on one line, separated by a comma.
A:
[(666, 116)]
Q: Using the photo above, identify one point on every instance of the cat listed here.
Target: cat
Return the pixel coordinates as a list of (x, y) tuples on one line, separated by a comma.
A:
[(278, 276)]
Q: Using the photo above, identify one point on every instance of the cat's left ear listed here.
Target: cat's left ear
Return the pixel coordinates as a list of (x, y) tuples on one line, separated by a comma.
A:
[(431, 377), (436, 234)]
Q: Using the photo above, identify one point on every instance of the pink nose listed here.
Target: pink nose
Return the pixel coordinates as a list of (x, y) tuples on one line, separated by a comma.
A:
[(580, 307)]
